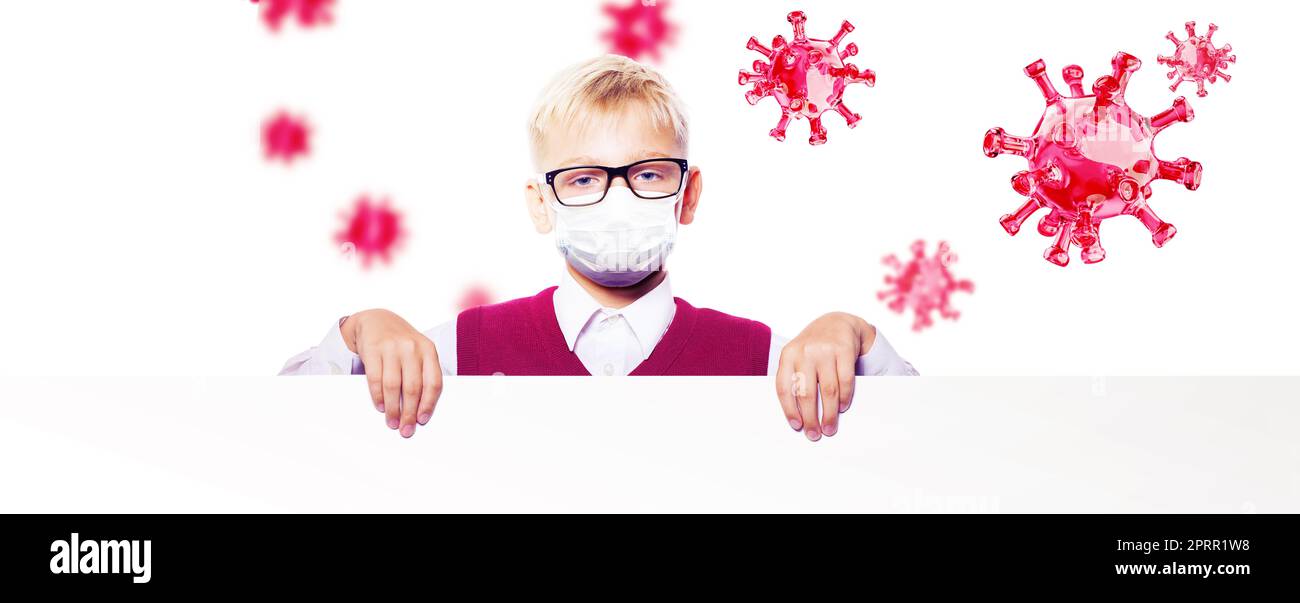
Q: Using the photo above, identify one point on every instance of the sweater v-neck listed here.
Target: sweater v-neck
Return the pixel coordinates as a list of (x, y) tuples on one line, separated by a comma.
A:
[(660, 359)]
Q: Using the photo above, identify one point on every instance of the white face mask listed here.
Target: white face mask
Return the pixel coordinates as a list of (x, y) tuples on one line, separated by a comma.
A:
[(620, 241)]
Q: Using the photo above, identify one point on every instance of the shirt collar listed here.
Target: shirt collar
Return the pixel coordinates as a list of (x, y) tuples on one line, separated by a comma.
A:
[(648, 316)]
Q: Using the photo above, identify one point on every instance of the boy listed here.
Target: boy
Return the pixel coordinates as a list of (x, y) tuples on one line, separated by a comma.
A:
[(610, 137)]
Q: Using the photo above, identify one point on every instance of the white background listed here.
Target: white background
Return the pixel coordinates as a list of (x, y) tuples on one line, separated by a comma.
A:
[(142, 233), (934, 445)]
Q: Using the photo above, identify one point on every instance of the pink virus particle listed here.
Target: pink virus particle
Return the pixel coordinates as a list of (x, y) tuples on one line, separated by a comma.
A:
[(924, 285), (640, 29), (372, 230), (1197, 60), (807, 77), (309, 13), (285, 137), (1091, 158), (474, 296)]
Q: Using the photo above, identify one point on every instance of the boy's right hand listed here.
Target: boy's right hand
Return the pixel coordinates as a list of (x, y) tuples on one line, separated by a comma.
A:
[(401, 367)]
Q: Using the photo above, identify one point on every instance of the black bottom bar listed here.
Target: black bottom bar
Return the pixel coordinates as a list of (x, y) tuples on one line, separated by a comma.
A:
[(774, 554)]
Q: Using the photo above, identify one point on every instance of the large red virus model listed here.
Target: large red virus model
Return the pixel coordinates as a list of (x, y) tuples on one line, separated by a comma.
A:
[(640, 29), (1091, 158), (1196, 59), (309, 13), (924, 284), (807, 77), (372, 230), (285, 137)]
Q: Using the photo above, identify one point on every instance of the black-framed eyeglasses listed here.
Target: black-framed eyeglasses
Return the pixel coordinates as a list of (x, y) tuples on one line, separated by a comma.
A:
[(588, 184)]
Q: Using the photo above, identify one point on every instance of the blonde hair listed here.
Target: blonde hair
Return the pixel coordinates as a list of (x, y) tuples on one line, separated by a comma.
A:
[(600, 88)]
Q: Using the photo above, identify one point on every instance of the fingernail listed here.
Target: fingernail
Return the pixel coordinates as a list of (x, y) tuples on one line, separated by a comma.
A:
[(845, 407), (795, 424), (424, 418), (408, 431), (380, 407), (392, 423), (829, 430), (813, 434)]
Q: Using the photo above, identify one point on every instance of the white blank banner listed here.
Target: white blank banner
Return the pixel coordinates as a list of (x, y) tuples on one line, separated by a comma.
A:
[(1165, 445)]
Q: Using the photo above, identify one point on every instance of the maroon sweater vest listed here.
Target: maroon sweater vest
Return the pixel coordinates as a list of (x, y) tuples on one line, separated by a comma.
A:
[(521, 337)]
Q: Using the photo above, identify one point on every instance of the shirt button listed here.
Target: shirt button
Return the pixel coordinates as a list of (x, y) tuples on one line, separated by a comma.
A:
[(609, 369)]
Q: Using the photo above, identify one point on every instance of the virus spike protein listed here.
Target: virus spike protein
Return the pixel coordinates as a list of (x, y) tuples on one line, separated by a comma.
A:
[(1091, 158), (1196, 59), (924, 284), (807, 77)]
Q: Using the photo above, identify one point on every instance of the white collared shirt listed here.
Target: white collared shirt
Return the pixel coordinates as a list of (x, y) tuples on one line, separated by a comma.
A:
[(608, 341)]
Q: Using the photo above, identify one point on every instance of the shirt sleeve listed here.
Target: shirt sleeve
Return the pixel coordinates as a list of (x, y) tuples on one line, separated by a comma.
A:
[(332, 356), (880, 361)]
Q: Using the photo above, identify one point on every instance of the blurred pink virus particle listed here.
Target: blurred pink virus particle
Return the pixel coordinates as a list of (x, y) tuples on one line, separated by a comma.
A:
[(924, 284), (640, 29), (807, 77), (372, 230), (1197, 60), (474, 296), (1091, 158), (285, 137), (309, 13)]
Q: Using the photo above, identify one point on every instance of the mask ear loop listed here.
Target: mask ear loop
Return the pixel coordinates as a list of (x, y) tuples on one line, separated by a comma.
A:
[(548, 196), (678, 202)]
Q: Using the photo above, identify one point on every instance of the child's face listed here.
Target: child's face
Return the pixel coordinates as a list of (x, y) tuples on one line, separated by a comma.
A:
[(617, 139)]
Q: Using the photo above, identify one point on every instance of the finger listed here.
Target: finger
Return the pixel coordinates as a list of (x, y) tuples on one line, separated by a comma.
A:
[(805, 394), (785, 391), (392, 389), (412, 386), (374, 365), (828, 384), (846, 367), (432, 385)]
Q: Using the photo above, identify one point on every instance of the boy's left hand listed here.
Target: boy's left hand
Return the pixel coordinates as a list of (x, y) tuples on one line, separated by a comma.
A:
[(823, 358)]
